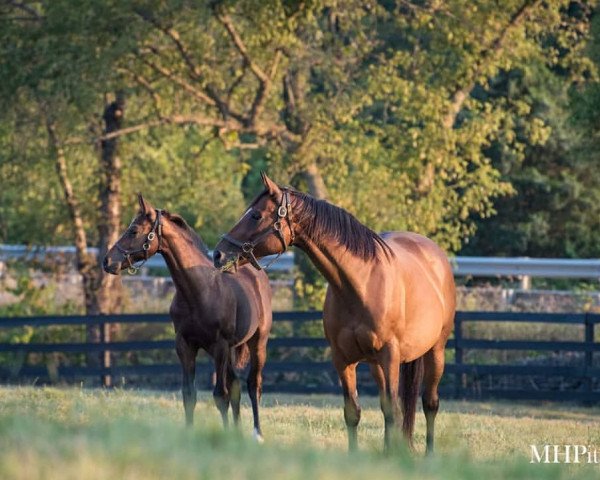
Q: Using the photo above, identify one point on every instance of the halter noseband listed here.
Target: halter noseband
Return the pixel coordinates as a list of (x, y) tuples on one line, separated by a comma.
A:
[(155, 232), (284, 211)]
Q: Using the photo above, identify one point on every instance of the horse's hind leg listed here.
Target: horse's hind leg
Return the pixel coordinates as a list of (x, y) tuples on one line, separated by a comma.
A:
[(434, 368), (235, 393), (258, 356), (187, 357), (221, 392), (347, 374)]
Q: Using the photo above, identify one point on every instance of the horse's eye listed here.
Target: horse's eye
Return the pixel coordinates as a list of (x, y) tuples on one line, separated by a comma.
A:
[(256, 215)]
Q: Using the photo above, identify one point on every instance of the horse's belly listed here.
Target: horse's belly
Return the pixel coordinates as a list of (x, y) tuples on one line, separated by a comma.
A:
[(362, 338), (419, 337)]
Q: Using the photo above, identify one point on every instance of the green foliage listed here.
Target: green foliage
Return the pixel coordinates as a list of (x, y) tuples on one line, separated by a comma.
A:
[(556, 209), (421, 116), (186, 173)]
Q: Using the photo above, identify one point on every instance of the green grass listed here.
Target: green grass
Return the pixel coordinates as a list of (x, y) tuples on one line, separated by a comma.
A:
[(54, 433)]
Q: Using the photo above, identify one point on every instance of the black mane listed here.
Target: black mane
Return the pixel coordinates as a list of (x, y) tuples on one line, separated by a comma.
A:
[(194, 237), (320, 220)]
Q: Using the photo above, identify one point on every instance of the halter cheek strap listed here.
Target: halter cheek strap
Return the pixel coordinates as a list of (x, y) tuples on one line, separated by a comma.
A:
[(284, 212), (155, 232)]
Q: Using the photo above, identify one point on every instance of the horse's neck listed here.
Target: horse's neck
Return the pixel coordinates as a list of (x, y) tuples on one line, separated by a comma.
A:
[(190, 269), (344, 272)]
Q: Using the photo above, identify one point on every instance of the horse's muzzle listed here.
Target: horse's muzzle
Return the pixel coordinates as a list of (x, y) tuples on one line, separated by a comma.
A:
[(225, 260), (218, 257), (111, 267)]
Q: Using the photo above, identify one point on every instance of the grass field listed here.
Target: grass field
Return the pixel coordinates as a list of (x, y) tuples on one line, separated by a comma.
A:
[(79, 434)]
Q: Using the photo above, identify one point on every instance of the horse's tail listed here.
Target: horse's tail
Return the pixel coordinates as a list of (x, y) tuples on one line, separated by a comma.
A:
[(242, 356), (411, 376)]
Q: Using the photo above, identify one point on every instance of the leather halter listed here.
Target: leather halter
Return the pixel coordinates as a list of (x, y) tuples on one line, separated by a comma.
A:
[(155, 232), (247, 248)]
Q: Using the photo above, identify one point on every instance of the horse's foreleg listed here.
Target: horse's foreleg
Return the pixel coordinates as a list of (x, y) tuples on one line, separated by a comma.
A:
[(434, 368), (258, 356), (347, 374), (221, 392), (384, 401), (389, 370), (187, 357)]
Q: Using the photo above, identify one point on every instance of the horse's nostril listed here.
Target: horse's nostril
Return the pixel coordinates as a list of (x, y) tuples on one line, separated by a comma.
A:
[(105, 263), (218, 258)]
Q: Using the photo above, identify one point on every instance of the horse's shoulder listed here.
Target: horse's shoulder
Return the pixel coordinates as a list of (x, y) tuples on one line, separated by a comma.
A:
[(179, 307)]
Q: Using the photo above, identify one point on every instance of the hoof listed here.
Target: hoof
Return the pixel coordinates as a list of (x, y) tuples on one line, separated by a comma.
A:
[(257, 436)]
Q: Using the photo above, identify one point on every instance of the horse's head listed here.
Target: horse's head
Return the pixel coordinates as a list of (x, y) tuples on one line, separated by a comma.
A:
[(265, 229), (140, 241)]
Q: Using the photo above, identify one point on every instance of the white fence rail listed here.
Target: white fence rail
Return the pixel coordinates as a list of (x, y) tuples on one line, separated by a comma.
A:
[(463, 266)]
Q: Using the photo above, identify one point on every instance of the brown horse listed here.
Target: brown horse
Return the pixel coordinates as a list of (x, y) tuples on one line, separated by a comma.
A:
[(229, 316), (390, 300)]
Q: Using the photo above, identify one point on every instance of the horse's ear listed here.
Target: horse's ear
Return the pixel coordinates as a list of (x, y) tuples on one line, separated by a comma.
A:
[(145, 206), (270, 185)]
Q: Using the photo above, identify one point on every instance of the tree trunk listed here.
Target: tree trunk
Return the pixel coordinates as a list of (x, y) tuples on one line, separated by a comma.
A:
[(109, 286), (102, 292), (109, 292), (85, 263), (307, 280), (314, 181)]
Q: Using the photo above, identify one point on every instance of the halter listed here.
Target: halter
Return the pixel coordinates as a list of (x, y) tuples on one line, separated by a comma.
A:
[(155, 232), (247, 248)]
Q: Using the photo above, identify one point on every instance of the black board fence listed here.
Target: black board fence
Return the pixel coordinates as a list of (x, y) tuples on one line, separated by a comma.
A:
[(310, 371)]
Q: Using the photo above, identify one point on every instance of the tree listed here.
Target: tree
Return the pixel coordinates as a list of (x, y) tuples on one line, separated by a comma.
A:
[(387, 108), (43, 100), (555, 211)]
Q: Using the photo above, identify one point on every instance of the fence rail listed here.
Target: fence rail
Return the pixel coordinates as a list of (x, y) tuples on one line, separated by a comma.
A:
[(462, 266), (467, 380)]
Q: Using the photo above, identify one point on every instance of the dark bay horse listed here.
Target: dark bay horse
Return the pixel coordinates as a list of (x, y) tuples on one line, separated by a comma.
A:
[(390, 300), (229, 316)]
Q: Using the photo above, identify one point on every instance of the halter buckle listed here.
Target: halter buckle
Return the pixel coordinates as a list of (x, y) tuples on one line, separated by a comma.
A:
[(247, 247), (282, 211), (131, 270), (151, 236)]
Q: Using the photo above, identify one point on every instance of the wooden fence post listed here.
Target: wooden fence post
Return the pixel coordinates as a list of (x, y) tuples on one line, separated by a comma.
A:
[(589, 354), (458, 356), (105, 360)]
